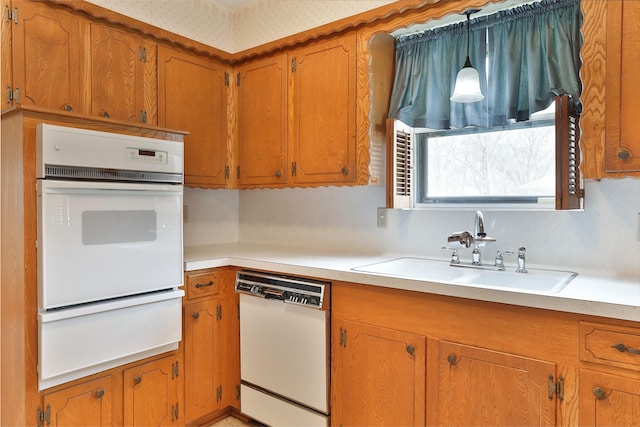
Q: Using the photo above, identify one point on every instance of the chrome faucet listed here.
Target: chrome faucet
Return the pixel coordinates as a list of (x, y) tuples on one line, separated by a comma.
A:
[(478, 226)]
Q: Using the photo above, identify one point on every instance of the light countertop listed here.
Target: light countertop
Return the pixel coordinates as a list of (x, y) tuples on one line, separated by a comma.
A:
[(593, 293)]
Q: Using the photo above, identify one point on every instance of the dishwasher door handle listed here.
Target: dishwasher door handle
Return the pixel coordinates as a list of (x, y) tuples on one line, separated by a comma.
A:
[(271, 293)]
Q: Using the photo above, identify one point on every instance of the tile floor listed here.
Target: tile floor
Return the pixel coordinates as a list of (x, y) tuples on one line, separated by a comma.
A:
[(230, 422)]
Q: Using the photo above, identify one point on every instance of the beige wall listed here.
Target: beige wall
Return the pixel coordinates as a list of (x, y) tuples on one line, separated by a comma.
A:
[(252, 24)]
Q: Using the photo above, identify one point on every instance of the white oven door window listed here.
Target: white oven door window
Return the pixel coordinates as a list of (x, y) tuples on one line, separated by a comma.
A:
[(105, 240)]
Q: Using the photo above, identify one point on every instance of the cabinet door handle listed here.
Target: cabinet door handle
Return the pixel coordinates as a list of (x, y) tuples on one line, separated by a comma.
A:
[(599, 393), (411, 349), (137, 380), (279, 173), (624, 349), (105, 115), (195, 315), (624, 154), (99, 393), (203, 285), (68, 108), (345, 171)]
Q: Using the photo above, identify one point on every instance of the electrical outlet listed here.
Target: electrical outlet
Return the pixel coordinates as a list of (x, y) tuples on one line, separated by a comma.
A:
[(382, 217), (185, 214)]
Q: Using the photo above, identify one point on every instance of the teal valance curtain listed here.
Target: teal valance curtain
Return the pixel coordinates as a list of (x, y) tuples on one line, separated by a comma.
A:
[(525, 56)]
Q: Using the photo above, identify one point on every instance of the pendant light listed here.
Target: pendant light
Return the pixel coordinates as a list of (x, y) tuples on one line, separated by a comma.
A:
[(467, 88)]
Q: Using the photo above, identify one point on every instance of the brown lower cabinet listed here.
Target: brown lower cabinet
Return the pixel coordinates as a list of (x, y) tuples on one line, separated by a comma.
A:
[(411, 358), (150, 394), (211, 345), (85, 404)]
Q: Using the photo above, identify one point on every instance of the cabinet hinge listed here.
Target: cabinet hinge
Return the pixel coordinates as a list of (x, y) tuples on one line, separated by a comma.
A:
[(226, 172), (175, 412), (13, 95), (44, 416), (343, 338), (238, 172), (294, 64), (237, 391), (556, 388), (143, 116), (175, 370), (237, 79), (219, 394), (142, 53), (294, 168), (226, 78), (11, 15), (219, 312)]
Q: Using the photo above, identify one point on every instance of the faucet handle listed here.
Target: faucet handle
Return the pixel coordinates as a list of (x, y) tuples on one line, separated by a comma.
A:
[(521, 260), (500, 260), (455, 258)]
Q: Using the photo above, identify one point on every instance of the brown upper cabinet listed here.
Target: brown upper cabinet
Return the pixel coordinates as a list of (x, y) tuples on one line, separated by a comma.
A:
[(123, 76), (296, 116), (48, 57), (193, 96), (610, 130), (262, 122)]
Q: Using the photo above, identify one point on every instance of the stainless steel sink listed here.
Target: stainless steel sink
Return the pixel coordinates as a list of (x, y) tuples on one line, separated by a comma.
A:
[(536, 280)]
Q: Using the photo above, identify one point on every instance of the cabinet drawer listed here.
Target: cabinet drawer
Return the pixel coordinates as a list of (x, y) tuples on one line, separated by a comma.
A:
[(202, 284), (610, 345)]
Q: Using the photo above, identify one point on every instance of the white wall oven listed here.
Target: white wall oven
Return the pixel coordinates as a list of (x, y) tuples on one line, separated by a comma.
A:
[(109, 244)]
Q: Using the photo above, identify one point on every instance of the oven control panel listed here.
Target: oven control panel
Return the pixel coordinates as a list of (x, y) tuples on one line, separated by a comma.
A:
[(288, 289)]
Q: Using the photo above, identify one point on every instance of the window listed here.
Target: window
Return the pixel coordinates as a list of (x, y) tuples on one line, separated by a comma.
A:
[(524, 165), (508, 165)]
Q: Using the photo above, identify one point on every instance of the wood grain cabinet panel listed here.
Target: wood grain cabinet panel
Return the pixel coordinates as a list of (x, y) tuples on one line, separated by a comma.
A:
[(49, 59), (608, 400), (122, 66), (192, 96), (322, 112), (482, 387), (211, 346), (378, 376), (610, 345), (85, 404), (262, 122), (152, 393)]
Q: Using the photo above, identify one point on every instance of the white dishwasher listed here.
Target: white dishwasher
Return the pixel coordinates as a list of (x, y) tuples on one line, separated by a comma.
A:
[(284, 349)]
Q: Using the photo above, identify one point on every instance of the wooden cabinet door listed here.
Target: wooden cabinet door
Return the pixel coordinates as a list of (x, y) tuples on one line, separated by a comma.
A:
[(481, 387), (378, 376), (202, 354), (152, 395), (262, 122), (48, 58), (609, 400), (121, 67), (6, 62), (86, 404), (192, 96), (322, 110), (622, 89)]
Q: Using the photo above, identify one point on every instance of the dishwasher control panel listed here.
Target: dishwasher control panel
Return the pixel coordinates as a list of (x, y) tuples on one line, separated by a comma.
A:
[(288, 289)]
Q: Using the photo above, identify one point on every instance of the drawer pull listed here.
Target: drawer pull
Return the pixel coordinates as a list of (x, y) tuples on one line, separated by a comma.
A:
[(599, 393), (99, 393), (137, 380), (195, 315), (203, 285), (624, 349)]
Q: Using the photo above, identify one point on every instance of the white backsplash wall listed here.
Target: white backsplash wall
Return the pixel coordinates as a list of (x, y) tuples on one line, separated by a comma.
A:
[(211, 217), (234, 30), (603, 237)]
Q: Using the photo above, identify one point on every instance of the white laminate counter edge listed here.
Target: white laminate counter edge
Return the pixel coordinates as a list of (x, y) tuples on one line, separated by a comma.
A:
[(586, 294)]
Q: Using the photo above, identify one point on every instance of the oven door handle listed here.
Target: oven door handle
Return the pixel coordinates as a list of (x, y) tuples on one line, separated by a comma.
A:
[(68, 187)]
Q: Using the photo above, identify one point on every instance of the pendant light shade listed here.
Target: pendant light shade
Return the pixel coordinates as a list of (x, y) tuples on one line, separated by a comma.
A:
[(467, 88)]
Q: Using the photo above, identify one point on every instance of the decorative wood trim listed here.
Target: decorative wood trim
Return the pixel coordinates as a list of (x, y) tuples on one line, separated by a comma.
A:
[(115, 18)]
